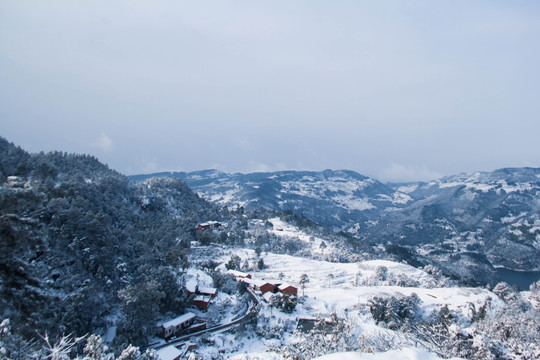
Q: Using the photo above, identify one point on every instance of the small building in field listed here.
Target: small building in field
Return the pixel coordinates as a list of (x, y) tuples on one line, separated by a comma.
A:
[(268, 286), (306, 325), (239, 274), (176, 326), (263, 286), (209, 225), (201, 301), (169, 353), (288, 289)]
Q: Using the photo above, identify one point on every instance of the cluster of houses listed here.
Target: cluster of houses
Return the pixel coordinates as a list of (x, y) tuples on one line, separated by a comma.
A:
[(201, 296), (266, 288), (182, 325)]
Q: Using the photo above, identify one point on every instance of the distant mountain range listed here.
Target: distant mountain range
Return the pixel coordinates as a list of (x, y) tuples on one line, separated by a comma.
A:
[(484, 218), (330, 198)]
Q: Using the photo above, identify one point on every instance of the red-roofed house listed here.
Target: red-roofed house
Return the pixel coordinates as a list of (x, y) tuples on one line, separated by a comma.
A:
[(212, 292), (209, 225), (239, 274), (288, 289), (202, 301)]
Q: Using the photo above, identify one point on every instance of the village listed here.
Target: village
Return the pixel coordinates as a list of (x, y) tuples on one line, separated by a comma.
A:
[(175, 333), (290, 296)]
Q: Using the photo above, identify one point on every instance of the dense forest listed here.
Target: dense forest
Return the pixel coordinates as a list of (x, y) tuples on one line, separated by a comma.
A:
[(83, 248)]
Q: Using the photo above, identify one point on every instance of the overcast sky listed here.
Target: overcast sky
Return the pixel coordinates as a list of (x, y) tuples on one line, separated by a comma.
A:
[(398, 90)]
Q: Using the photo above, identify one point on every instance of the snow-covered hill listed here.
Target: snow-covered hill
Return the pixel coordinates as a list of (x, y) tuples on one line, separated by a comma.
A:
[(480, 221), (402, 354), (344, 295), (85, 251), (489, 219), (330, 198)]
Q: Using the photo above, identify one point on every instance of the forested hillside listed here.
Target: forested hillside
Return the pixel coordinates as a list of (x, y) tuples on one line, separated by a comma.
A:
[(83, 249)]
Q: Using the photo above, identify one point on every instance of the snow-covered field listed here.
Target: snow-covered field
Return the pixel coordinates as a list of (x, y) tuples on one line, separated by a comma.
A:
[(332, 286), (343, 289), (403, 354)]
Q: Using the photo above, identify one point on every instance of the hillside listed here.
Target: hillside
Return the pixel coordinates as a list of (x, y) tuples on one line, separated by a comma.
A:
[(83, 249), (481, 221), (489, 219), (376, 308)]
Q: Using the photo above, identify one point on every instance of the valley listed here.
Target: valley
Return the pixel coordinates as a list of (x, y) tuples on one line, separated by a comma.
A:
[(408, 274)]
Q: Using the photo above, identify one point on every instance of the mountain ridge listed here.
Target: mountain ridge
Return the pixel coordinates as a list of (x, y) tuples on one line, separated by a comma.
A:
[(492, 218), (348, 193)]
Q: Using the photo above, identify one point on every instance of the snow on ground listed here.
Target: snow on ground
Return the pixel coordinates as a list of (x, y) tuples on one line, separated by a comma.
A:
[(196, 277), (475, 183), (403, 354), (331, 286), (229, 197), (284, 229), (341, 288), (407, 189)]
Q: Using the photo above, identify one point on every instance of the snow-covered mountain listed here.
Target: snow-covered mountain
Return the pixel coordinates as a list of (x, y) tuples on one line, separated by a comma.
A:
[(479, 220), (330, 198), (488, 218)]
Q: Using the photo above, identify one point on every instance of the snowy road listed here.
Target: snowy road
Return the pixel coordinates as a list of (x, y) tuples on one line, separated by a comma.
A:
[(252, 311)]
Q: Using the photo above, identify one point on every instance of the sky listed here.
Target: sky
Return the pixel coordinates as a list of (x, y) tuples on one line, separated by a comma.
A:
[(398, 90)]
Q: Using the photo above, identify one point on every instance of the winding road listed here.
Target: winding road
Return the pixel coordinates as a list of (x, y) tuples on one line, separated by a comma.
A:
[(251, 311)]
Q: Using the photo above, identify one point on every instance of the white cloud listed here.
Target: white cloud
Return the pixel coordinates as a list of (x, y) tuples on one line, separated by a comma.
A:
[(104, 142), (400, 172)]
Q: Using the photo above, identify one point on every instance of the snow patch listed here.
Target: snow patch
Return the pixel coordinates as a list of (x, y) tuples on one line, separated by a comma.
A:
[(407, 189), (403, 354)]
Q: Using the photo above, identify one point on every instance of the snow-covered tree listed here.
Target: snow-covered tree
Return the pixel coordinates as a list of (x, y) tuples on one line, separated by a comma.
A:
[(381, 273), (504, 291), (284, 302), (62, 348), (394, 310), (327, 336), (304, 279), (94, 349)]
